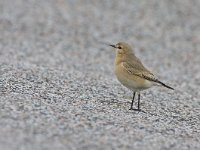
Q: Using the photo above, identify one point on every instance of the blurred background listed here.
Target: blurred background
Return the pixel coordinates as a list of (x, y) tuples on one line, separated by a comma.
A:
[(50, 51)]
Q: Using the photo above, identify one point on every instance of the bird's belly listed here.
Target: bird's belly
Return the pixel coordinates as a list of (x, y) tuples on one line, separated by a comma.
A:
[(133, 82)]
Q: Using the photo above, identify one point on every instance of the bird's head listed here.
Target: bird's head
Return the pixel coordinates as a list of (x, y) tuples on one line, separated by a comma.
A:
[(122, 48)]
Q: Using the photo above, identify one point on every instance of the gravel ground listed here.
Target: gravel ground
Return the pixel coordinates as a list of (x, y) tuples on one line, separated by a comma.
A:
[(57, 86)]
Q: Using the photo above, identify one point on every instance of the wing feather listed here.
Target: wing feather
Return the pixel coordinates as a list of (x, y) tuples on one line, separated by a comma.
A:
[(139, 70)]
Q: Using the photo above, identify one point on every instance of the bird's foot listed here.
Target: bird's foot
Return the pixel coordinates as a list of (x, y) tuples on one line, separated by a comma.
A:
[(131, 108), (137, 109), (134, 109)]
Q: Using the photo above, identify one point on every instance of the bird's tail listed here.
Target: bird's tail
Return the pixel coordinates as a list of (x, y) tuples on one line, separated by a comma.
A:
[(165, 85)]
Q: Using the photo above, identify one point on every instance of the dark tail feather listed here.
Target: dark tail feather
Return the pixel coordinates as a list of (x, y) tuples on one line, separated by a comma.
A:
[(165, 85)]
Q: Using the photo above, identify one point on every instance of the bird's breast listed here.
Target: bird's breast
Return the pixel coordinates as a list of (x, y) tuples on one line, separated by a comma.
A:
[(131, 81)]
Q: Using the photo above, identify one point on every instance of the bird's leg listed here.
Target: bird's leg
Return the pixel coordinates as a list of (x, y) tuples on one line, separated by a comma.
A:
[(132, 101), (138, 108), (139, 101)]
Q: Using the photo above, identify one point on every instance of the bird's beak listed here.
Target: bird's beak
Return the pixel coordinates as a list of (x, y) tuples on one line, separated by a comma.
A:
[(112, 45)]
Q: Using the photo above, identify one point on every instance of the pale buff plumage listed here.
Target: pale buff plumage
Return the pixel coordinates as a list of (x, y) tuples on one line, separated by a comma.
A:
[(132, 73)]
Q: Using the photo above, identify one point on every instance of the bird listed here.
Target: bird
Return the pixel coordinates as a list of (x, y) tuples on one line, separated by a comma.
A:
[(131, 73)]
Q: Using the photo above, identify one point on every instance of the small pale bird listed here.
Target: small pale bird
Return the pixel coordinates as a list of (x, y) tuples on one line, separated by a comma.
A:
[(131, 72)]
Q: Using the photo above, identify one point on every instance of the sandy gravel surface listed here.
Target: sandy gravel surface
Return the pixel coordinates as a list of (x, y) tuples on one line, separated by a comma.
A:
[(57, 86)]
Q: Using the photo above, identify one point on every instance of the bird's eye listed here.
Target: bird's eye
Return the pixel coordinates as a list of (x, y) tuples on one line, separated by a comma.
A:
[(119, 47)]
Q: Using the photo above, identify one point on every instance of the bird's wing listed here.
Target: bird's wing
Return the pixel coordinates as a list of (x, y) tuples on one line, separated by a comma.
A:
[(137, 68)]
